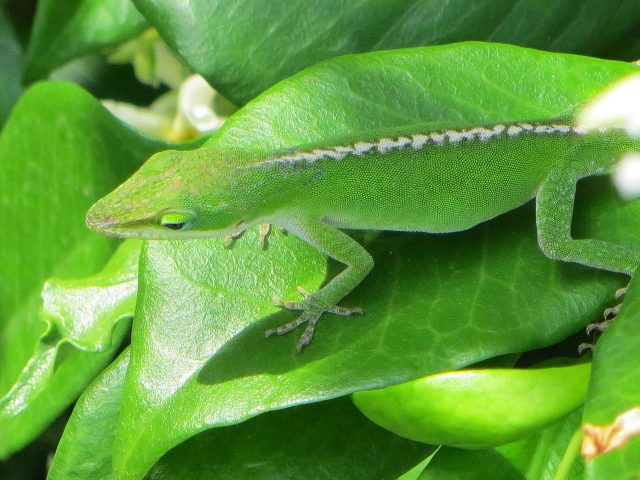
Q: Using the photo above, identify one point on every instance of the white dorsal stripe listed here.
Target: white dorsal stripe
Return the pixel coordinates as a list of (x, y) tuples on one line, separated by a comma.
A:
[(420, 140)]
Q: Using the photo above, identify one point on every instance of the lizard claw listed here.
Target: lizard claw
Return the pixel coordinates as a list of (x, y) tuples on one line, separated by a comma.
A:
[(309, 317), (584, 347), (599, 327), (621, 292), (263, 233), (612, 312), (227, 241), (608, 316)]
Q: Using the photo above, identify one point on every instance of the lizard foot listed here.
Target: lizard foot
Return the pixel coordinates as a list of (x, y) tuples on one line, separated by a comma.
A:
[(311, 313)]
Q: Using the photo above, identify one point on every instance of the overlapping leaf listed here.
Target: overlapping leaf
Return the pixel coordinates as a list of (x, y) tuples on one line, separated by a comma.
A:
[(535, 458), (10, 68), (346, 447), (614, 390), (73, 28), (244, 48), (477, 408), (59, 151)]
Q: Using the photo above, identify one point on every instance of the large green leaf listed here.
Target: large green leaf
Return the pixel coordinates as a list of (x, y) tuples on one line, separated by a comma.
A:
[(324, 441), (477, 408), (620, 464), (615, 388), (82, 313), (196, 361), (10, 68), (244, 48), (59, 152), (328, 440), (410, 328), (84, 451), (64, 30), (461, 84), (535, 458)]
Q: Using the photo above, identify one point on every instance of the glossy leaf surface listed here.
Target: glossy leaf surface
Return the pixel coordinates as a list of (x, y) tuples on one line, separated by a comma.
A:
[(49, 174), (73, 28), (615, 389), (244, 48), (476, 408), (10, 68)]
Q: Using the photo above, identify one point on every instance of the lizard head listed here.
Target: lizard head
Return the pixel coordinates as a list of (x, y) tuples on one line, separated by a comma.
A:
[(174, 195)]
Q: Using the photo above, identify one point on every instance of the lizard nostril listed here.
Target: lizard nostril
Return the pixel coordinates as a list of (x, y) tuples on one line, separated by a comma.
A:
[(107, 221), (97, 221)]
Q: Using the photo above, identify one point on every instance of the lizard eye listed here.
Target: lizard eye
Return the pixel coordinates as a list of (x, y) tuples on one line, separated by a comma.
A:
[(176, 220)]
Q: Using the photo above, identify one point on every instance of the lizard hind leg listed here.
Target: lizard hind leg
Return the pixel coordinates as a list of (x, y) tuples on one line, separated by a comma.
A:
[(554, 213)]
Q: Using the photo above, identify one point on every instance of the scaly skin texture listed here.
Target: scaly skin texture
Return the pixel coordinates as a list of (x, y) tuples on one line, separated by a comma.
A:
[(404, 180)]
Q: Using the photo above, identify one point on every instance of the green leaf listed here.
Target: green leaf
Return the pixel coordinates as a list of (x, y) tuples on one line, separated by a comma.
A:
[(476, 408), (615, 389), (59, 152), (535, 458), (621, 464), (31, 462), (424, 333), (295, 443), (445, 86), (84, 450), (194, 359), (85, 311), (544, 454), (453, 464), (66, 30), (10, 68), (244, 50)]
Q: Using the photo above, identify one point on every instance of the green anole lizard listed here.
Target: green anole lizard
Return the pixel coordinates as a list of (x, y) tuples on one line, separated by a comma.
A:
[(402, 180)]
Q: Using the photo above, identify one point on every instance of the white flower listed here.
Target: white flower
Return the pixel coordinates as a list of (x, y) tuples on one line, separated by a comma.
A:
[(626, 176), (195, 104), (617, 107)]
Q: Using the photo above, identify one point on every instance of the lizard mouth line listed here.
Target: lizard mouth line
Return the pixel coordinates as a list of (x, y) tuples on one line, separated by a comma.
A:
[(112, 227)]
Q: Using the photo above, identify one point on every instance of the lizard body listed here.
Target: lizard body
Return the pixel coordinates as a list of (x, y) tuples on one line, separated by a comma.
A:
[(399, 179)]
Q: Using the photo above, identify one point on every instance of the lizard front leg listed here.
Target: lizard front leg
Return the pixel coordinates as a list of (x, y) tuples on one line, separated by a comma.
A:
[(339, 246)]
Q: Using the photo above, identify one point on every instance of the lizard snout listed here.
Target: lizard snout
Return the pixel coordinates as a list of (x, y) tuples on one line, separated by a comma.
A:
[(97, 221)]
